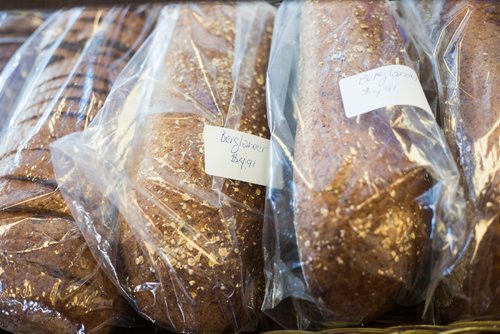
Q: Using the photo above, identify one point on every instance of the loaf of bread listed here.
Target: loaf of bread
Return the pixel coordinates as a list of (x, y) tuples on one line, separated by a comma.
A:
[(191, 256), (468, 59), (361, 231), (65, 97), (50, 282)]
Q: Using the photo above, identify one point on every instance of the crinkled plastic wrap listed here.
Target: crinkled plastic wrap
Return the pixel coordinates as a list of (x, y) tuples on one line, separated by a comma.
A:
[(461, 39), (356, 207), (15, 28), (185, 247), (49, 280)]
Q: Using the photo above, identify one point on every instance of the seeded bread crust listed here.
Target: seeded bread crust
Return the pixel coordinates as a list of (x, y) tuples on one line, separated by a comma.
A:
[(471, 121), (50, 281), (360, 232), (204, 269)]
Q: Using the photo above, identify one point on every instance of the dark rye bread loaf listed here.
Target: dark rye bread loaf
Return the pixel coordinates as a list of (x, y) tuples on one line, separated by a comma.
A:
[(50, 281), (360, 231), (204, 269), (471, 121), (65, 99), (68, 94)]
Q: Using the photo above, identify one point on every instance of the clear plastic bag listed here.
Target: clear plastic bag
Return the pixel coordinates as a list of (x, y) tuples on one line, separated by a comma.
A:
[(49, 280), (357, 208), (15, 28), (185, 247), (461, 40)]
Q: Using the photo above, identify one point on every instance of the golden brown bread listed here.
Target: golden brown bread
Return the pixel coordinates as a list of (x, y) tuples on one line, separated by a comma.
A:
[(198, 268), (361, 232), (470, 117), (50, 281)]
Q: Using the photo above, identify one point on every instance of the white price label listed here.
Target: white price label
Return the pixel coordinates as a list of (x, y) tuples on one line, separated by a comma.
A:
[(236, 155), (390, 85)]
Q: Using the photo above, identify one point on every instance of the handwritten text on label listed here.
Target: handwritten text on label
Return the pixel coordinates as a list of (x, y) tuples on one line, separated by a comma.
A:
[(382, 87), (236, 155)]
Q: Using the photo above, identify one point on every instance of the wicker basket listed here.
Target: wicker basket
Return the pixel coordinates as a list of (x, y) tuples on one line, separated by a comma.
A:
[(457, 327)]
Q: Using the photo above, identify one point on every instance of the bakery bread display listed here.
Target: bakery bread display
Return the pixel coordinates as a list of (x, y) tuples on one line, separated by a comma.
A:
[(49, 280), (356, 187), (130, 136)]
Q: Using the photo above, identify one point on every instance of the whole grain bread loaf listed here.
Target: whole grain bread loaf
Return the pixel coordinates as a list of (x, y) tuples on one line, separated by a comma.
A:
[(50, 281), (470, 117), (360, 230), (198, 266)]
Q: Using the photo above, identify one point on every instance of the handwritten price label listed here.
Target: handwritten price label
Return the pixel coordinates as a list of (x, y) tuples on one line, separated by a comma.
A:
[(236, 155), (390, 85)]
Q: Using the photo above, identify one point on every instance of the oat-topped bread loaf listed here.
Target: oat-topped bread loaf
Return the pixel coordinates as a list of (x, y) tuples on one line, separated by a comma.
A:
[(468, 62), (50, 282), (360, 231), (204, 272)]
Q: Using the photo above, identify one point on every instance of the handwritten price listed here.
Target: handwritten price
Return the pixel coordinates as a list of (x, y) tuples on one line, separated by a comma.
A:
[(377, 90), (244, 162), (235, 155)]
